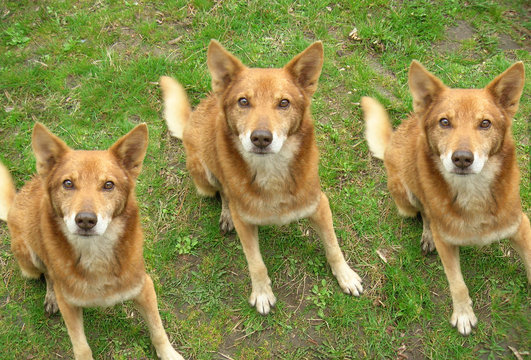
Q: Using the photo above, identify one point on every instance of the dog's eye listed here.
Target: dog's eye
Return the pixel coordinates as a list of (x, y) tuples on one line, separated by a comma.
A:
[(243, 102), (485, 124), (444, 122), (68, 184), (109, 185), (284, 103)]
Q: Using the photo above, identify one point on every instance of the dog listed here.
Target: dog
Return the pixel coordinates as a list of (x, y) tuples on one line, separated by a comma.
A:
[(453, 160), (252, 140), (77, 222)]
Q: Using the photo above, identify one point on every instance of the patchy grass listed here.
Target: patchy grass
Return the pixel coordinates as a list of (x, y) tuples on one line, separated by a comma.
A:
[(88, 71)]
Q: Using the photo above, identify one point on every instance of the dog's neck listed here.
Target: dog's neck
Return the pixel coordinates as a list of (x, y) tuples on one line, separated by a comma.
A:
[(473, 192), (272, 171), (95, 253)]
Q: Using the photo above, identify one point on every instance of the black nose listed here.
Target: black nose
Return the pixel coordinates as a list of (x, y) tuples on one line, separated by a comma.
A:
[(261, 138), (462, 158), (86, 220)]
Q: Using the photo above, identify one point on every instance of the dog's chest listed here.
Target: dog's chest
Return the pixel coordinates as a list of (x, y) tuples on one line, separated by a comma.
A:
[(96, 261), (278, 195), (479, 217)]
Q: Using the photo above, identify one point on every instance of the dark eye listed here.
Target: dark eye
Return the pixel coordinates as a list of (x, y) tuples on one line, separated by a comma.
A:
[(284, 103), (109, 185), (243, 102), (68, 184), (444, 122), (485, 124)]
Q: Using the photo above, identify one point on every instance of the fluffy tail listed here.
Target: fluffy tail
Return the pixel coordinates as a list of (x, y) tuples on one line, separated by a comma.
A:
[(7, 192), (378, 129), (176, 106)]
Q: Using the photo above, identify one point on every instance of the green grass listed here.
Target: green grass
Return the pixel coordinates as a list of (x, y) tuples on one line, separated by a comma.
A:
[(88, 71)]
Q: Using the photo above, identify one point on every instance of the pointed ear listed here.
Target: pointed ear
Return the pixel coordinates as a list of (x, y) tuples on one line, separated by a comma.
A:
[(306, 67), (130, 149), (423, 86), (47, 147), (223, 66), (507, 87)]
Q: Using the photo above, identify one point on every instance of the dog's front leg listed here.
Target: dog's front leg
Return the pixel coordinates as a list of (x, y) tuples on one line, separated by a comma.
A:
[(321, 220), (262, 296), (463, 316), (146, 303), (521, 241), (73, 317)]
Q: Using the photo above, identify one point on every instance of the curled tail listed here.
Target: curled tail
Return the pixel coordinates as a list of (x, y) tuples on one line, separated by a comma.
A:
[(378, 129), (176, 106), (7, 192)]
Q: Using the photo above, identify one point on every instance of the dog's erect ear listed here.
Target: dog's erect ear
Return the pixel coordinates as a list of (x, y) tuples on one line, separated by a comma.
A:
[(306, 67), (423, 86), (130, 149), (223, 66), (507, 87), (47, 147)]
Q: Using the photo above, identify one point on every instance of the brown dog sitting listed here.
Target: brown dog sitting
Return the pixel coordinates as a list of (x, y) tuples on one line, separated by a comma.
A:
[(78, 223), (252, 140), (453, 160)]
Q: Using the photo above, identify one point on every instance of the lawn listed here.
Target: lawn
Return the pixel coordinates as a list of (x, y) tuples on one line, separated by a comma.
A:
[(88, 70)]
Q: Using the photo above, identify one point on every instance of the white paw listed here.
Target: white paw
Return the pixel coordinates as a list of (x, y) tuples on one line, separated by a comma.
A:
[(263, 300), (348, 280), (168, 353), (464, 319)]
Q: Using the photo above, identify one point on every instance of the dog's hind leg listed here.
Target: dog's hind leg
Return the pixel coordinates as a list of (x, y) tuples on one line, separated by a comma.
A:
[(146, 303), (426, 242), (50, 302), (521, 241), (403, 197), (321, 220), (205, 182), (225, 220), (26, 258)]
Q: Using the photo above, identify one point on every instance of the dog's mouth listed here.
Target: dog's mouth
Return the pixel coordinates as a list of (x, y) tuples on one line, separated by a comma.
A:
[(462, 172), (85, 233), (260, 151)]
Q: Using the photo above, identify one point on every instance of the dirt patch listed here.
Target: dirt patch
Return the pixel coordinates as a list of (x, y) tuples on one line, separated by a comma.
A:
[(506, 43), (374, 63), (455, 36)]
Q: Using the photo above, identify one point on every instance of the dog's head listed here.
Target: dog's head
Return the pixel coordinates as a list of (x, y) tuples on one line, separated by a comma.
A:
[(88, 189), (465, 127), (263, 107)]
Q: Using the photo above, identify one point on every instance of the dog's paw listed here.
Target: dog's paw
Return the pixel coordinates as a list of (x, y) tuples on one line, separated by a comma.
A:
[(168, 353), (349, 281), (263, 300), (464, 319), (426, 242), (225, 222), (50, 303)]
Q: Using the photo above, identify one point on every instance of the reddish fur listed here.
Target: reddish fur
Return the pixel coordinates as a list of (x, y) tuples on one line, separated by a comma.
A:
[(36, 223), (258, 189), (473, 209)]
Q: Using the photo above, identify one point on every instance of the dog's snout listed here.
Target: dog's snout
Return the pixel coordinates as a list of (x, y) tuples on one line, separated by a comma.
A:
[(462, 158), (86, 220), (261, 138)]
